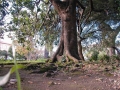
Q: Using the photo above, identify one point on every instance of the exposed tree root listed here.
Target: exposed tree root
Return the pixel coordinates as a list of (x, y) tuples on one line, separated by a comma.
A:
[(62, 52), (70, 57), (58, 56), (58, 53)]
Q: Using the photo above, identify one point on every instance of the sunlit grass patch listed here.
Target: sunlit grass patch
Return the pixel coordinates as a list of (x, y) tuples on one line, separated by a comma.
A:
[(22, 61)]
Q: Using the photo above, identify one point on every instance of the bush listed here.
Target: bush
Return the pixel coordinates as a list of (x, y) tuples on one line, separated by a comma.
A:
[(114, 60), (103, 57), (114, 57), (94, 56)]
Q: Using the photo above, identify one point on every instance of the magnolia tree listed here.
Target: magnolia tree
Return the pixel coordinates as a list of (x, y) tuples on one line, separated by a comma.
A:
[(73, 15), (68, 41)]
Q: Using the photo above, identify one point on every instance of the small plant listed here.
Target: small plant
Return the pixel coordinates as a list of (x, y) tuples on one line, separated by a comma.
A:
[(114, 57), (94, 56), (103, 57), (4, 79), (114, 60), (113, 67)]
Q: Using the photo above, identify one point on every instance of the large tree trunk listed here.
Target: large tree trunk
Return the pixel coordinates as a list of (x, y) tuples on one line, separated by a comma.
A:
[(68, 42)]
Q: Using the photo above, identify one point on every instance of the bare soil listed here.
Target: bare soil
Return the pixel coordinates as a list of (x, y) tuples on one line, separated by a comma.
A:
[(90, 77)]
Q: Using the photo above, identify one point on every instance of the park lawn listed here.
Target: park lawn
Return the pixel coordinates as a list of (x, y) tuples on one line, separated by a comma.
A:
[(5, 62)]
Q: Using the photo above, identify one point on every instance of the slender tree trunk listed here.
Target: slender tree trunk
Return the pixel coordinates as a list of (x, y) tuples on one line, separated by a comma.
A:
[(68, 42), (80, 50), (118, 52), (49, 47), (111, 51), (6, 57)]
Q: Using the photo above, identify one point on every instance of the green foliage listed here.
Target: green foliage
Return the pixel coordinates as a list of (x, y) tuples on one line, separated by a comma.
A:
[(19, 66), (4, 79), (68, 66), (115, 57), (3, 54), (17, 55), (47, 67), (94, 56), (35, 22), (2, 61), (103, 57), (1, 88), (108, 60)]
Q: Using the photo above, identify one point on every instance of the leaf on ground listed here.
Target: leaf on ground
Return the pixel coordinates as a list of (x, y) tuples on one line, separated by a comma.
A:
[(4, 79)]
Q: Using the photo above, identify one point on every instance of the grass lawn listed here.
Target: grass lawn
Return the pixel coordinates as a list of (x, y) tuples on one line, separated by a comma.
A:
[(5, 62)]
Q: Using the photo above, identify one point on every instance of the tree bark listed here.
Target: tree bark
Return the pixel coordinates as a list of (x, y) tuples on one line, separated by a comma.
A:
[(80, 50), (118, 52), (111, 51), (68, 41)]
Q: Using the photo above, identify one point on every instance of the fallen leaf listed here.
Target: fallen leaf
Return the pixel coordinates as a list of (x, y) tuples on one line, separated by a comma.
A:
[(30, 82)]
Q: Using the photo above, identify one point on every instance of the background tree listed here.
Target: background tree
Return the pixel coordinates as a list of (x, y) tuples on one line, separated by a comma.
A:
[(4, 54), (17, 55), (94, 13), (35, 22), (109, 37), (27, 50)]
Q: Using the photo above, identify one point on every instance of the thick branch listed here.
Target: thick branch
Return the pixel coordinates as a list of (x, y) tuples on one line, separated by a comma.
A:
[(81, 10), (89, 13), (95, 10), (44, 1), (80, 4)]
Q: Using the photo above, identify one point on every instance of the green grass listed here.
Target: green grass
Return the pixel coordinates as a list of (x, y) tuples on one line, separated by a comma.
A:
[(22, 61)]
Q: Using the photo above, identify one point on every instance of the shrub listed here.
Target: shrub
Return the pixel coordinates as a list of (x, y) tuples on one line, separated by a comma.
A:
[(114, 60), (94, 56), (103, 57), (114, 57)]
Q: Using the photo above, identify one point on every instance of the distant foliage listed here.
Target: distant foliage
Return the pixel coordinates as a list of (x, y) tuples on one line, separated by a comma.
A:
[(94, 56), (102, 56), (18, 56), (3, 54), (114, 57)]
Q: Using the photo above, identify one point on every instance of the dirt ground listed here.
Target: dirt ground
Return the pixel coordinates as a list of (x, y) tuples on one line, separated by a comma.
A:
[(90, 77)]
